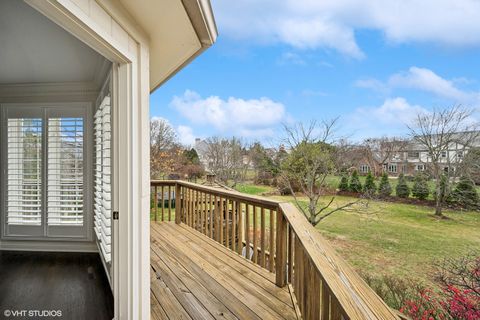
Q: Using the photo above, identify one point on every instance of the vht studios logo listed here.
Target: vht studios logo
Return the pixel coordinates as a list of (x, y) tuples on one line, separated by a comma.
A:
[(32, 313)]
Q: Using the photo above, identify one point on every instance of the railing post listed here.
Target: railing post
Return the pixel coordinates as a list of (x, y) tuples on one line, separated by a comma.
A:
[(178, 203), (281, 254)]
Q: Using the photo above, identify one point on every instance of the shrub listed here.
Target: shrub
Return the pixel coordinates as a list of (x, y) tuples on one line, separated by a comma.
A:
[(370, 187), (454, 303), (392, 289), (465, 194), (343, 186), (420, 188), (385, 189), (355, 185), (460, 294), (402, 190)]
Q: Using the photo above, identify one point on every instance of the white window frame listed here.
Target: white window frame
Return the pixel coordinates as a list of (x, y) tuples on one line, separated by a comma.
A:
[(45, 111), (364, 168), (391, 166)]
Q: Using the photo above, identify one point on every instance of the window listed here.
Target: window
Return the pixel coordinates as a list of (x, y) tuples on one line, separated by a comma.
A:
[(364, 168), (103, 191), (444, 154), (413, 154), (44, 173), (24, 171), (65, 171), (420, 167), (392, 168), (460, 154)]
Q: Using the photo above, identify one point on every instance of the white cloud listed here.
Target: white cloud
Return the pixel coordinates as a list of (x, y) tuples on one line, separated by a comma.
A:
[(331, 24), (394, 111), (186, 135), (426, 80), (429, 81), (390, 118), (252, 118)]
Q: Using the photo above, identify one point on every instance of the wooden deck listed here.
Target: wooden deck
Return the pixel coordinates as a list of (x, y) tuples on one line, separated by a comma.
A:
[(194, 277)]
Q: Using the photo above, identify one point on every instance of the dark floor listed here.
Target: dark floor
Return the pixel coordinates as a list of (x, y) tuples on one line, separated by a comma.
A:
[(73, 283)]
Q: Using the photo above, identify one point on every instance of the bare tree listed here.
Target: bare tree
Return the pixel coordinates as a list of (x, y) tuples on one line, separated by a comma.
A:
[(444, 134), (162, 135), (347, 155), (309, 162), (379, 151), (227, 159), (164, 148)]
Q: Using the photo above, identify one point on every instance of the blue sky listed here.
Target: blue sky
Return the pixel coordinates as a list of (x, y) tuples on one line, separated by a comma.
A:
[(374, 64)]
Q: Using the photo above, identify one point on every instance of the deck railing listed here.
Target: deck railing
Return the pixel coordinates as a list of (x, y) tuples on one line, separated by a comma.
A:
[(277, 237)]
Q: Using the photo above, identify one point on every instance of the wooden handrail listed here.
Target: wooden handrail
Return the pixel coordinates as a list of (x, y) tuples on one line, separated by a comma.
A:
[(277, 237), (346, 292)]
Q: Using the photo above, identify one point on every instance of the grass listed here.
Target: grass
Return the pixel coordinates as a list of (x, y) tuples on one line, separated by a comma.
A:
[(399, 239), (253, 189)]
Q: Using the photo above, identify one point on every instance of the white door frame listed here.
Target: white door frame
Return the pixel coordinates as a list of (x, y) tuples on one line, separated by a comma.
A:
[(131, 178)]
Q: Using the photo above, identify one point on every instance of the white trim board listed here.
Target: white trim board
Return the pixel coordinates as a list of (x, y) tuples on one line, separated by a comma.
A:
[(19, 245)]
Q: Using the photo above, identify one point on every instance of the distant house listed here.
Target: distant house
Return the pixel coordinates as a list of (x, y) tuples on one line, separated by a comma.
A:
[(410, 159)]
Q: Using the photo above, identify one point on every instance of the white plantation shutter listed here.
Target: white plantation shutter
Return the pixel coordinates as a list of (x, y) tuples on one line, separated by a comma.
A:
[(24, 171), (44, 171), (65, 171), (103, 191)]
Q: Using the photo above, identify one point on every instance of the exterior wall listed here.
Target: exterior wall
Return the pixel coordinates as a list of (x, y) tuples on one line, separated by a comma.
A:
[(107, 27), (414, 160)]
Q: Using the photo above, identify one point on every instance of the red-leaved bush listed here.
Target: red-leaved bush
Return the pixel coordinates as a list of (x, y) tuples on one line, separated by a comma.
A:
[(460, 295), (461, 304), (454, 304)]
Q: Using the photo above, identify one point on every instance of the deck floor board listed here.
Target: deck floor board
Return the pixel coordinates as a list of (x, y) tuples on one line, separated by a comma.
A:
[(194, 277)]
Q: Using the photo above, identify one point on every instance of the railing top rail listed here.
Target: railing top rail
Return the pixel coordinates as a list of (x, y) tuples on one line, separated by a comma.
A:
[(357, 299), (260, 201)]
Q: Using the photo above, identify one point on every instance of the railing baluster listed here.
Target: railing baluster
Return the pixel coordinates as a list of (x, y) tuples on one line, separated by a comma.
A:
[(240, 227), (178, 204), (290, 254), (227, 222), (162, 200), (281, 254), (190, 207), (204, 212), (216, 228), (255, 235), (155, 202), (271, 249), (210, 215), (247, 231), (221, 204), (234, 226), (262, 237), (325, 301)]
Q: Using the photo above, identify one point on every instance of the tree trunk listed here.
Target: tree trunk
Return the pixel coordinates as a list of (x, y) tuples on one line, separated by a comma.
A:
[(312, 211), (438, 203)]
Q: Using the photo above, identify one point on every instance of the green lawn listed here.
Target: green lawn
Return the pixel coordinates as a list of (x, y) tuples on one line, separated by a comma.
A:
[(253, 189), (400, 239)]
